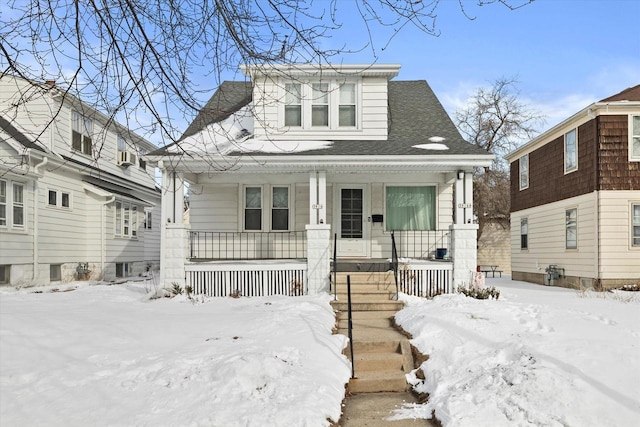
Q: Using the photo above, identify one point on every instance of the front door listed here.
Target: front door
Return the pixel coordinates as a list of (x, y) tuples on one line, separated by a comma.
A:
[(353, 230)]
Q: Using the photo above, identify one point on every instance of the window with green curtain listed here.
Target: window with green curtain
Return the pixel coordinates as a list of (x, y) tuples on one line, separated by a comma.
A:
[(411, 208)]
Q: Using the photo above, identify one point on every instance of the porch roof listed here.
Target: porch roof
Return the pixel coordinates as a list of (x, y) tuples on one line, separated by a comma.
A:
[(416, 119)]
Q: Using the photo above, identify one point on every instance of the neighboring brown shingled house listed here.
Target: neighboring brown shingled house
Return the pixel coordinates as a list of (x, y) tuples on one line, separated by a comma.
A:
[(575, 198)]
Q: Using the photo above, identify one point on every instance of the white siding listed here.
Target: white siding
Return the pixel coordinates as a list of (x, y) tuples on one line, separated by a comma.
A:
[(214, 207), (267, 103), (618, 259), (547, 238)]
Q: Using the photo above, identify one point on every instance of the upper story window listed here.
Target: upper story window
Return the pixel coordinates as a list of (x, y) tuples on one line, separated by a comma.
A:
[(634, 138), (82, 129), (329, 104), (141, 162), (524, 172), (293, 104), (12, 208), (347, 109), (571, 151)]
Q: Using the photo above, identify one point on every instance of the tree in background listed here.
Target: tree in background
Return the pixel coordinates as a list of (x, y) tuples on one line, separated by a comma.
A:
[(494, 118), (151, 63)]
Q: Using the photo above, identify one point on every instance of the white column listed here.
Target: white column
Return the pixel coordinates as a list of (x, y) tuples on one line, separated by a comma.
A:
[(459, 202), (313, 198), (463, 252), (468, 198), (318, 256), (322, 197), (173, 237)]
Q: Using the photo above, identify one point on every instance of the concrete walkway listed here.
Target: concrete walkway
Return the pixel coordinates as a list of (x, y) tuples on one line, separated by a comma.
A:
[(382, 355)]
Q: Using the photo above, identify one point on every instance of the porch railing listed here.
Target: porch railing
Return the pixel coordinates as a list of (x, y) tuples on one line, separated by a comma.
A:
[(423, 244), (229, 245)]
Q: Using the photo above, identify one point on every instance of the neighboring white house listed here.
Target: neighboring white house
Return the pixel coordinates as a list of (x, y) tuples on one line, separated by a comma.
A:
[(281, 163), (76, 199), (575, 198)]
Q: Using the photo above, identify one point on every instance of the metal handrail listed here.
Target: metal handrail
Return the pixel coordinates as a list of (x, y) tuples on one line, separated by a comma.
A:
[(226, 245), (394, 262), (350, 325), (335, 266)]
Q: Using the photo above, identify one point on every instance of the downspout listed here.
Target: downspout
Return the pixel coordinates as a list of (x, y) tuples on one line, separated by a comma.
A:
[(36, 259), (103, 238)]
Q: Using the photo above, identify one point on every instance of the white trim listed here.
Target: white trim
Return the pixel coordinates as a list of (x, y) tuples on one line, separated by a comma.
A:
[(575, 167), (435, 207), (523, 187), (631, 225), (566, 228), (633, 158)]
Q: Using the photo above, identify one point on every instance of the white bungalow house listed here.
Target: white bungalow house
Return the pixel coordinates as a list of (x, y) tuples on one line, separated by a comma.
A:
[(77, 201), (281, 166)]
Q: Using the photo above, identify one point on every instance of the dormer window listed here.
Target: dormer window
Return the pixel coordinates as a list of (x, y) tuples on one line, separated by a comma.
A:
[(82, 128), (347, 109), (330, 104), (293, 105)]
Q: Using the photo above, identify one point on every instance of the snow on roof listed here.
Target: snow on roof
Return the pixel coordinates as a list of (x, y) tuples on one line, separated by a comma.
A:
[(235, 135)]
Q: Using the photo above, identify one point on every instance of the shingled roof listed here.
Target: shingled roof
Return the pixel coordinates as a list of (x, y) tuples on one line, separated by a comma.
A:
[(18, 136), (415, 115), (629, 94)]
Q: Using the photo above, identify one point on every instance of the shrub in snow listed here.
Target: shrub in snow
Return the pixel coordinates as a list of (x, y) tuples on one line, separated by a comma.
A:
[(484, 293), (174, 290)]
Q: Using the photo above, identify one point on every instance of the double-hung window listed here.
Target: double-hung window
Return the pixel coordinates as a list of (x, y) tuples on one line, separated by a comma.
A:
[(524, 172), (82, 128), (280, 209), (321, 105), (253, 208), (524, 233), (12, 207), (411, 208), (293, 105), (3, 203), (571, 228), (634, 138), (126, 219), (635, 225), (148, 219), (571, 151), (347, 107)]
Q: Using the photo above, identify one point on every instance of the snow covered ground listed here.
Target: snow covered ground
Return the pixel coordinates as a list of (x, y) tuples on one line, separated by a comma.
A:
[(538, 356), (105, 355)]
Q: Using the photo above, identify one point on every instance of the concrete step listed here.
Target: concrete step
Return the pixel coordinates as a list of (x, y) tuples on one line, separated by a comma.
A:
[(377, 381), (368, 306), (356, 278), (365, 287), (381, 346), (377, 323), (377, 362), (363, 315), (367, 295)]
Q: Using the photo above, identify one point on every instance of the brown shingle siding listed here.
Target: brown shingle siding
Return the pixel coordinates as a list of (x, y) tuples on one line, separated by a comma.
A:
[(547, 181), (615, 170)]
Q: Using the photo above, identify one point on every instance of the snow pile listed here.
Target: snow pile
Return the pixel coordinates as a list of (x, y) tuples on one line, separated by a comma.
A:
[(103, 355), (432, 146), (538, 356)]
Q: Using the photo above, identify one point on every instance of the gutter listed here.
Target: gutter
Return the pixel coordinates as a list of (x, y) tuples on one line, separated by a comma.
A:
[(36, 259)]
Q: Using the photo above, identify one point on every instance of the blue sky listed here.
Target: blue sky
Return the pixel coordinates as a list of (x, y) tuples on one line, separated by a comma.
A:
[(565, 53)]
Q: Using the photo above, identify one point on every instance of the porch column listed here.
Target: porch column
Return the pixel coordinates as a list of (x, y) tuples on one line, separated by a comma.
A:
[(463, 252), (318, 253), (459, 195), (317, 198), (468, 197), (173, 237)]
